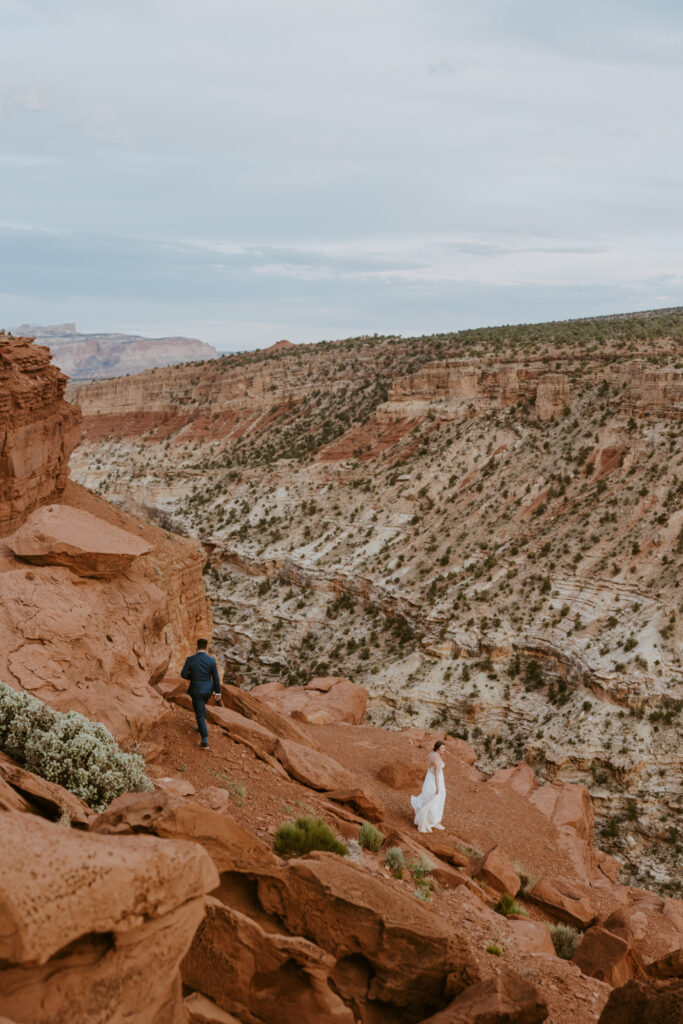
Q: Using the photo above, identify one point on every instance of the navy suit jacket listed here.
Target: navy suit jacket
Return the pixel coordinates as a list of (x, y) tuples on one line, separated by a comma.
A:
[(202, 671)]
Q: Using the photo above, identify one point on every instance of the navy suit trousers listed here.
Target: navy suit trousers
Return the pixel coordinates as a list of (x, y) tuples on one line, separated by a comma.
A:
[(199, 708)]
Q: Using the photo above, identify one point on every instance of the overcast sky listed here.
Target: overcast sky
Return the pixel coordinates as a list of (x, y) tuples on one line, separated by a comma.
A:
[(246, 171)]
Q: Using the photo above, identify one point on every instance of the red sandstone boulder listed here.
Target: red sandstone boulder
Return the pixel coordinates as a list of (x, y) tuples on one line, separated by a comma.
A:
[(324, 700), (388, 946), (50, 799), (94, 927), (259, 973), (653, 927), (445, 847), (10, 800), (520, 778), (61, 535), (175, 787), (497, 871), (230, 846), (531, 936), (605, 956), (202, 1010), (407, 778), (645, 1002), (564, 902), (321, 772), (260, 711), (502, 999)]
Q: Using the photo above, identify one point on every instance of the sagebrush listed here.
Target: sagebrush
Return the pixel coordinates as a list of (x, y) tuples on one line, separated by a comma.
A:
[(69, 749), (565, 940), (306, 834), (370, 838)]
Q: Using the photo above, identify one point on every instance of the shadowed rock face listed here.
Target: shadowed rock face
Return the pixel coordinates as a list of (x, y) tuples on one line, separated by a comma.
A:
[(38, 430)]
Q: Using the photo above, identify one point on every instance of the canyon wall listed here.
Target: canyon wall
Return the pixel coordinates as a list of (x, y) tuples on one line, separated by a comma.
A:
[(92, 356), (483, 529)]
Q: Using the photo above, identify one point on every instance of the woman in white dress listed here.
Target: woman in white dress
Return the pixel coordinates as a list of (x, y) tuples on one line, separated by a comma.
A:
[(428, 806)]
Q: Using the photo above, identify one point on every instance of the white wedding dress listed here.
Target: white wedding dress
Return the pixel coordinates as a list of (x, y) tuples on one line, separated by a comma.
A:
[(428, 806)]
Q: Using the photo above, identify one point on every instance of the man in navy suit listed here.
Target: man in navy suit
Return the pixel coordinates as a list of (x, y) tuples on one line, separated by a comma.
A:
[(202, 671)]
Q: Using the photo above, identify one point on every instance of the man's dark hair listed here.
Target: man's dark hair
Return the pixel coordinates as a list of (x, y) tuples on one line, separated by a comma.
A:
[(202, 644)]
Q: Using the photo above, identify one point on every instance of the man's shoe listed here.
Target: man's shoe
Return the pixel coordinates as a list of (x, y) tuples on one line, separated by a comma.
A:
[(203, 746)]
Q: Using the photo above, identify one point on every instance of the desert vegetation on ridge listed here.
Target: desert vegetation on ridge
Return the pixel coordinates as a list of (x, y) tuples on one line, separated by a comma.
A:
[(485, 552)]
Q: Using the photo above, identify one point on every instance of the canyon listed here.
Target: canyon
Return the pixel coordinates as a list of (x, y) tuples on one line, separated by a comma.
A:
[(93, 355), (483, 529), (323, 493)]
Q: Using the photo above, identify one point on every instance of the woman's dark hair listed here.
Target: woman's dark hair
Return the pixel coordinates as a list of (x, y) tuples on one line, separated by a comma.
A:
[(439, 743)]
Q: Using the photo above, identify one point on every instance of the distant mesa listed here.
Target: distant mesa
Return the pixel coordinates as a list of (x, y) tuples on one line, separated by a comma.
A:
[(97, 356)]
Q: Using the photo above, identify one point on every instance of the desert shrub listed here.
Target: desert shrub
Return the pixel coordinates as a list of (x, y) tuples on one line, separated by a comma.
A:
[(494, 948), (393, 859), (306, 834), (565, 939), (370, 838), (420, 869), (68, 749), (507, 904)]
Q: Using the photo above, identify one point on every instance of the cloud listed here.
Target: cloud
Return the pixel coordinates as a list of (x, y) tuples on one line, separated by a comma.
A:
[(340, 162)]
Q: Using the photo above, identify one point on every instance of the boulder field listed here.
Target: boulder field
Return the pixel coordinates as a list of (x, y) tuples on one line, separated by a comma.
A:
[(182, 883)]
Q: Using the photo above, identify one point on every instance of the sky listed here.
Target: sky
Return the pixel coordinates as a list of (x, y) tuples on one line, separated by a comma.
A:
[(315, 169)]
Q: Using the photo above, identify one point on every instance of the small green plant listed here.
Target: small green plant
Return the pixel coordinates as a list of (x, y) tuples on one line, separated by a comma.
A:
[(68, 749), (370, 838), (508, 905), (393, 859), (494, 948), (306, 834), (565, 940), (420, 869)]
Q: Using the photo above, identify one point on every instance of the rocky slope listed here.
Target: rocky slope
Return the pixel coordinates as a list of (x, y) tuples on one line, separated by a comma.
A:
[(94, 605), (91, 356), (485, 529), (101, 933)]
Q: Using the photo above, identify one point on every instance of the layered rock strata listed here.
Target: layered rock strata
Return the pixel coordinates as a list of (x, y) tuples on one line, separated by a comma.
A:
[(38, 430)]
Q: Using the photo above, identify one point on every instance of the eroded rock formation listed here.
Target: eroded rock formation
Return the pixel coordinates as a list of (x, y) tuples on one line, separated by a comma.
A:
[(94, 605), (38, 430)]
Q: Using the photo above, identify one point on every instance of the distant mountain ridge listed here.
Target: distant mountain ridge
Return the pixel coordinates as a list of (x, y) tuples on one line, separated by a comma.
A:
[(96, 356)]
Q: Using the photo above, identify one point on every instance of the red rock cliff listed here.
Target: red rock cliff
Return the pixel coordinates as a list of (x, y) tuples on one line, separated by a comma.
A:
[(80, 643), (38, 430)]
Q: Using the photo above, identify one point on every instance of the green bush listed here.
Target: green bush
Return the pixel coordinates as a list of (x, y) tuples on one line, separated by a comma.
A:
[(393, 859), (494, 948), (69, 749), (306, 834), (565, 940), (507, 904), (370, 838)]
